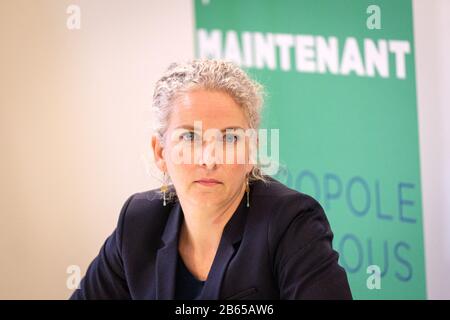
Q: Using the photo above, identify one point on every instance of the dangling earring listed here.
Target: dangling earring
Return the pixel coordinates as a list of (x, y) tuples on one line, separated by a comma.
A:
[(247, 190), (164, 189)]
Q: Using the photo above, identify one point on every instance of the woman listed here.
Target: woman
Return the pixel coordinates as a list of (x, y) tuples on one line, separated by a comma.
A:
[(215, 229)]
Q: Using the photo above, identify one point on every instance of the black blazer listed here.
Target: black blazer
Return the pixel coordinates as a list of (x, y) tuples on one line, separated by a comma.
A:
[(278, 248)]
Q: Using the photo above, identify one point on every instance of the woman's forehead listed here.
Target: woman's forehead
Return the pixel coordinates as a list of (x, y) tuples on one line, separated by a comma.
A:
[(213, 108)]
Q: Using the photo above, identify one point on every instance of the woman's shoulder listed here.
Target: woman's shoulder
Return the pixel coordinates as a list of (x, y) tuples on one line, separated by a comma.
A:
[(144, 200), (287, 208), (276, 192), (144, 212)]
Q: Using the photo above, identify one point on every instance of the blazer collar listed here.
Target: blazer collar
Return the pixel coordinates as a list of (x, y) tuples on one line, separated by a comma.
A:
[(167, 255)]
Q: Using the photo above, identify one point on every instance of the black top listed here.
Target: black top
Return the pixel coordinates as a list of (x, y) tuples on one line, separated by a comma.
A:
[(187, 286)]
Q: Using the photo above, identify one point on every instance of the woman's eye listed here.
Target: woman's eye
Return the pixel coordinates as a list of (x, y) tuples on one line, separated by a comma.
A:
[(188, 136), (230, 138)]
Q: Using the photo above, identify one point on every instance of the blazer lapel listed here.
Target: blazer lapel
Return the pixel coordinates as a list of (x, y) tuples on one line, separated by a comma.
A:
[(167, 255), (229, 243)]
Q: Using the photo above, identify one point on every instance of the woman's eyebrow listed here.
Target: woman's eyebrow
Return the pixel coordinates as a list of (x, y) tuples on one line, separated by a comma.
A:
[(233, 128), (185, 127), (190, 127)]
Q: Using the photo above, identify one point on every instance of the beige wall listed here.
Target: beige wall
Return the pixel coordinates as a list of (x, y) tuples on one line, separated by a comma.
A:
[(75, 123)]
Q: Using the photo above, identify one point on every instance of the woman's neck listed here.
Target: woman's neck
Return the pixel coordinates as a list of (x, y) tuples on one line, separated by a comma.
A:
[(203, 226)]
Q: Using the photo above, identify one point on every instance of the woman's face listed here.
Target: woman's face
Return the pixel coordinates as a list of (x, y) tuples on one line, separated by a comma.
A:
[(206, 163)]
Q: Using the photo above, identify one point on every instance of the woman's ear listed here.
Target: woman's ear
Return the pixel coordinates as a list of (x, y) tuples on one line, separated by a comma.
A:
[(158, 153)]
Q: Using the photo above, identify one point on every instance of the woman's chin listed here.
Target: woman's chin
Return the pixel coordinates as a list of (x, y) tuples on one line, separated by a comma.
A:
[(208, 199)]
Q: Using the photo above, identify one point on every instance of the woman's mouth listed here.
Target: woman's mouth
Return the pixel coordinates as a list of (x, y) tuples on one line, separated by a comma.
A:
[(208, 182)]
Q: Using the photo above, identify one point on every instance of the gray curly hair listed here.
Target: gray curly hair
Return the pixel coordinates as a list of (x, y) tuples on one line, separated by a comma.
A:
[(209, 74)]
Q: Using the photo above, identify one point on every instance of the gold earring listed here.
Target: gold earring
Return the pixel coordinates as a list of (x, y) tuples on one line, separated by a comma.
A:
[(247, 190), (164, 189)]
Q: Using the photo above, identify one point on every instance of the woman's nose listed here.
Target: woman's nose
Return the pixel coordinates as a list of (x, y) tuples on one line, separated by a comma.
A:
[(208, 156)]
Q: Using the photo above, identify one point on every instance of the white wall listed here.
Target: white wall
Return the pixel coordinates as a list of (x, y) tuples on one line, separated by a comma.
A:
[(74, 118), (432, 42)]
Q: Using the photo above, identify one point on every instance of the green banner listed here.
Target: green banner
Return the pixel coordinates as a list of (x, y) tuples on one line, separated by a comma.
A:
[(341, 90)]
